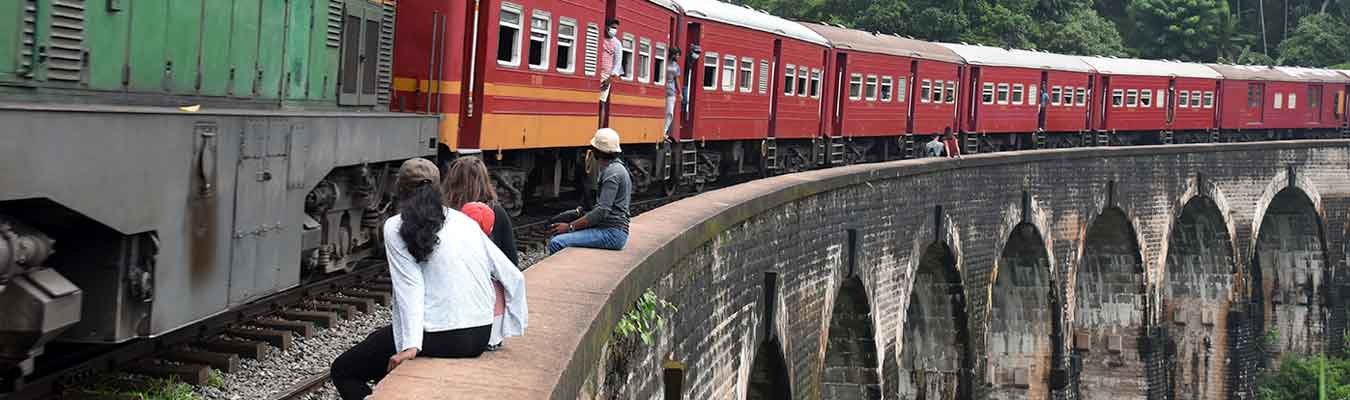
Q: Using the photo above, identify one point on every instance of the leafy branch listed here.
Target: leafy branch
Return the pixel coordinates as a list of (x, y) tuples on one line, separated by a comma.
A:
[(645, 318)]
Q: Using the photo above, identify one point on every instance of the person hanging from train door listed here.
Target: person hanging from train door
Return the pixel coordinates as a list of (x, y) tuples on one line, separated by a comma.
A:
[(605, 226), (442, 267), (611, 64), (694, 52), (672, 88)]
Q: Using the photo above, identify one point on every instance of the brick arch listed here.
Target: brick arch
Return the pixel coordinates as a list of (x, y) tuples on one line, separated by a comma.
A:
[(1110, 309), (1212, 192), (935, 356), (1289, 272), (1199, 271), (1023, 318), (851, 352), (769, 378)]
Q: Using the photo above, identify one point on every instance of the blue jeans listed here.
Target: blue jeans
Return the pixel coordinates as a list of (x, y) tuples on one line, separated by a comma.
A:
[(595, 238)]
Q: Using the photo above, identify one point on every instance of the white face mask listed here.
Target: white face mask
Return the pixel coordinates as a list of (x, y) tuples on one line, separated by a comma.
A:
[(613, 32)]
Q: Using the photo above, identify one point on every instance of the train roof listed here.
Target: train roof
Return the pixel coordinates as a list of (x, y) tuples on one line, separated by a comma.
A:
[(1268, 73), (1315, 74), (999, 57), (853, 39), (669, 4), (1142, 67), (747, 17)]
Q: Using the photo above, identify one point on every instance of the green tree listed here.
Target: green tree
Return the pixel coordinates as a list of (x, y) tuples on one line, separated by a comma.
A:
[(1319, 41), (1084, 33), (1297, 379), (1194, 30)]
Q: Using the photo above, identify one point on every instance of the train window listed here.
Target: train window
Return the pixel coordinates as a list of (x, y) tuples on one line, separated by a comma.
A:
[(628, 58), (1031, 95), (790, 80), (951, 92), (508, 35), (567, 41), (710, 61), (1056, 91), (1183, 99), (763, 76), (1162, 99), (1018, 91), (747, 78), (937, 92), (1080, 97), (926, 91), (592, 57), (1002, 93), (1209, 100), (1314, 98), (815, 83), (871, 89), (1117, 98), (887, 89), (1255, 94), (1292, 102), (987, 93), (855, 82), (900, 88), (644, 60), (659, 66), (1195, 99), (540, 25), (1067, 100), (1145, 98), (728, 73), (1131, 98), (1279, 101), (801, 81)]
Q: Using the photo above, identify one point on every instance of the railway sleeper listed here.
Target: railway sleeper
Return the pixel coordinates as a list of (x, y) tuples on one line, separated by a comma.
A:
[(280, 339), (225, 362), (300, 328), (192, 374), (362, 304), (324, 319), (243, 348), (383, 298), (343, 311)]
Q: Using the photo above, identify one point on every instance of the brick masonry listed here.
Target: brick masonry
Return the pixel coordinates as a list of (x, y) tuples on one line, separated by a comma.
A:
[(1120, 263)]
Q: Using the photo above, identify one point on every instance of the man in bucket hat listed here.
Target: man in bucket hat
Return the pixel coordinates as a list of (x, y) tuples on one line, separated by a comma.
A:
[(606, 225)]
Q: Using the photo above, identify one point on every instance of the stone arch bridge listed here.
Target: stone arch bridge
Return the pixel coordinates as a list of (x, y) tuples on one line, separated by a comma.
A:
[(1104, 273)]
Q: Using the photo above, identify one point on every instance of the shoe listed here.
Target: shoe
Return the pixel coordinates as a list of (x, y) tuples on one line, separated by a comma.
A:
[(494, 347)]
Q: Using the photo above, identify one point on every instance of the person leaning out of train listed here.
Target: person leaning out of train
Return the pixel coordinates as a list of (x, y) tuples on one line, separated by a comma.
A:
[(606, 225), (442, 267), (949, 141), (672, 87), (467, 183), (611, 58)]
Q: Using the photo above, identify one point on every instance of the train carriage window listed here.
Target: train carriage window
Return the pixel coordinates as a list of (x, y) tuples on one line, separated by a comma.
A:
[(1031, 95), (790, 80), (1279, 101), (1018, 93), (987, 93), (728, 73), (815, 83), (592, 55), (1255, 93), (763, 76), (1117, 98), (887, 89), (900, 88), (1055, 91), (659, 66), (855, 83), (1145, 98), (1080, 97), (1002, 93), (567, 41), (1293, 101), (1067, 100), (747, 78), (1209, 100), (937, 92), (1184, 99), (628, 58), (871, 88), (710, 62), (951, 92), (1162, 99), (644, 60), (925, 91), (1195, 99), (1131, 98), (1315, 98), (801, 81), (508, 35), (540, 24)]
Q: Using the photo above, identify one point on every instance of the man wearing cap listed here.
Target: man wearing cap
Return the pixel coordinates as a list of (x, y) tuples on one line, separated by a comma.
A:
[(606, 225)]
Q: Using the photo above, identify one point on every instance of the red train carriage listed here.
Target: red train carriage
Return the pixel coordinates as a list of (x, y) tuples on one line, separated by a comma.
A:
[(1260, 102), (1143, 100), (518, 80), (742, 118), (875, 80), (1018, 91)]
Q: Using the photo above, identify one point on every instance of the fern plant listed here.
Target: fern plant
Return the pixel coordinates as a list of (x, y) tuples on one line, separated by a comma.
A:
[(645, 318)]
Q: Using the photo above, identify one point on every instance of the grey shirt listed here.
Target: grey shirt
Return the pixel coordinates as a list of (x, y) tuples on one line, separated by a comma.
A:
[(935, 148), (616, 190)]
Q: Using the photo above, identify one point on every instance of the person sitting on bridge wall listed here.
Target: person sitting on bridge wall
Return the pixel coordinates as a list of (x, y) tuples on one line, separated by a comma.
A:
[(952, 146), (442, 267), (935, 147), (467, 180), (606, 225), (483, 215)]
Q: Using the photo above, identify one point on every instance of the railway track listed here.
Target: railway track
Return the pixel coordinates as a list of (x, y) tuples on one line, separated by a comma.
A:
[(533, 234)]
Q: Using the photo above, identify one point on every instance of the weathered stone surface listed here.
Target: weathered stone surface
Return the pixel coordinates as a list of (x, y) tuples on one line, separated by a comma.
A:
[(1127, 269)]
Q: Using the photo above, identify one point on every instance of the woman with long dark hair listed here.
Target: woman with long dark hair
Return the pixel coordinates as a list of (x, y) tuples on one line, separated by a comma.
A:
[(442, 267), (467, 181)]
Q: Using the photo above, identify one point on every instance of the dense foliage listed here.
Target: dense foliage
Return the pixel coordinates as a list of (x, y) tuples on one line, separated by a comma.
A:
[(1290, 32), (1298, 378)]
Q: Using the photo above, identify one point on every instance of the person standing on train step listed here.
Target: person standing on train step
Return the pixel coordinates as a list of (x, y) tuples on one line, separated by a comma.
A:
[(442, 267), (672, 87), (606, 225), (611, 60), (949, 141)]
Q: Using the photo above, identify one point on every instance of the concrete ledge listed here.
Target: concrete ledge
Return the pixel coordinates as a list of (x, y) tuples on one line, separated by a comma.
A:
[(577, 295)]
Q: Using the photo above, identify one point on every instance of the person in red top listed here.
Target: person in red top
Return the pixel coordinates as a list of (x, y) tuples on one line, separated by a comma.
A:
[(486, 218), (949, 140), (611, 58)]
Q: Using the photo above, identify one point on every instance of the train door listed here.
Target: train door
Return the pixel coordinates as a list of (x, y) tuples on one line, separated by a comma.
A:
[(773, 94), (256, 260), (837, 114), (913, 83), (1171, 94), (1045, 105), (1256, 102), (472, 106), (694, 71), (973, 82), (1315, 102), (1091, 86)]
